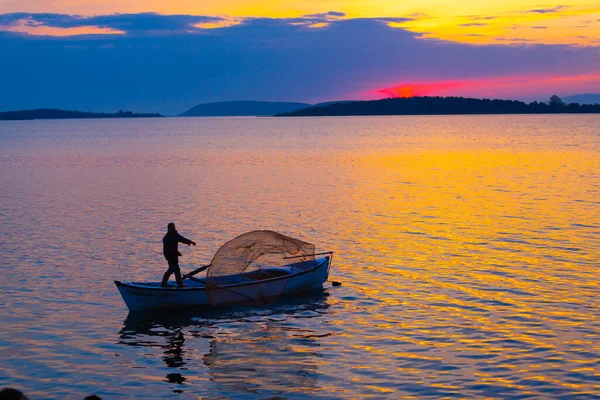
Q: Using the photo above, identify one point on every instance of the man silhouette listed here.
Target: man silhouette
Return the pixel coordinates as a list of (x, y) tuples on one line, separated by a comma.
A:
[(171, 253)]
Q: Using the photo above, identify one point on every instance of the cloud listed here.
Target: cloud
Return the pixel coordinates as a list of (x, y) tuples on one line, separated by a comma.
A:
[(539, 27), (256, 58), (156, 24), (547, 10), (327, 16), (144, 23), (482, 18), (397, 20), (314, 20), (474, 24)]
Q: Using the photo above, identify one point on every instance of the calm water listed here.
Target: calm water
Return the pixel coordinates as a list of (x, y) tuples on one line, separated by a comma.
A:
[(468, 248)]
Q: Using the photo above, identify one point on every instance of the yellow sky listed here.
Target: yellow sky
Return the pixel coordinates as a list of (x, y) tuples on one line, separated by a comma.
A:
[(472, 21)]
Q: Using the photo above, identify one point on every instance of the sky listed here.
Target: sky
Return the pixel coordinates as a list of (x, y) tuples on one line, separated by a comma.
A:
[(167, 56)]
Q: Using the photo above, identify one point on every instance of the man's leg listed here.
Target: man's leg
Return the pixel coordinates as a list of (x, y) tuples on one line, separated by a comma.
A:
[(167, 274), (165, 278), (178, 278), (177, 272)]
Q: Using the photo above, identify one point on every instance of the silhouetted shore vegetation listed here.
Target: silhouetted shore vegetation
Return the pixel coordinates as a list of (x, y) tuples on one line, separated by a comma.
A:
[(49, 113), (444, 106)]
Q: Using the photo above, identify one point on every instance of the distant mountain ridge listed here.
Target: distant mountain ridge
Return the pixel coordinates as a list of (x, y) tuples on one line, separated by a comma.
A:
[(588, 98), (328, 103), (242, 108), (442, 106), (50, 113)]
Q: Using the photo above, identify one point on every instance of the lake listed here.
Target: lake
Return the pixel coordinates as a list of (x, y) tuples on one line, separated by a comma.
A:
[(467, 248)]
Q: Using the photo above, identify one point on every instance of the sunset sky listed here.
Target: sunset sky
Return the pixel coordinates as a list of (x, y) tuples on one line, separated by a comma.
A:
[(167, 56)]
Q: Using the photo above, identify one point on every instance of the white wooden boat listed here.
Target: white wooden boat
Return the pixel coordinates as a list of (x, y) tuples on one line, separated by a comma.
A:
[(258, 286)]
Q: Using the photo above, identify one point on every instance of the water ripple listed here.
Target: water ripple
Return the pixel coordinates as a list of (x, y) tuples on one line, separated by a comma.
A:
[(467, 248)]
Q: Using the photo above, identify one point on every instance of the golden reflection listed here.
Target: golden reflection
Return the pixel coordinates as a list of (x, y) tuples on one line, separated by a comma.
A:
[(482, 239)]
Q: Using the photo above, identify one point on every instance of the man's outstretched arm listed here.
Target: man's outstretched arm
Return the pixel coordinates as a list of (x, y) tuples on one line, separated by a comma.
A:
[(181, 239)]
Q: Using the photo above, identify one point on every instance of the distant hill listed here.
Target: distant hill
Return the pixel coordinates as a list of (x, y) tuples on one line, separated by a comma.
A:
[(242, 108), (48, 113), (328, 103), (440, 106), (583, 98)]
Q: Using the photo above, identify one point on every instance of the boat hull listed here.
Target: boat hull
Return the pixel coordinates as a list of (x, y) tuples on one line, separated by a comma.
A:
[(148, 296)]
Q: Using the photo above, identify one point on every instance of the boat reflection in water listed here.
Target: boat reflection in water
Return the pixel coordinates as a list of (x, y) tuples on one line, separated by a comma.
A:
[(238, 351)]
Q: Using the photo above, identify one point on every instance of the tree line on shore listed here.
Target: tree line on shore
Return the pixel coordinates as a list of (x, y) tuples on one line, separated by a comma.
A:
[(50, 113), (391, 106), (445, 105)]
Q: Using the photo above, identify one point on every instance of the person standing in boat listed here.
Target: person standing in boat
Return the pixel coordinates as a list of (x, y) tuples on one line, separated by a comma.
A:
[(171, 252)]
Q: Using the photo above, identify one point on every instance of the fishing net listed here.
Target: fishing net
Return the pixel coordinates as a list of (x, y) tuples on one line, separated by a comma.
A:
[(247, 261)]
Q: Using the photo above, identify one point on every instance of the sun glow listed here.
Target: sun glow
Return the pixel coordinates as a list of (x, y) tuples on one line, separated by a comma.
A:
[(419, 89), (491, 87)]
